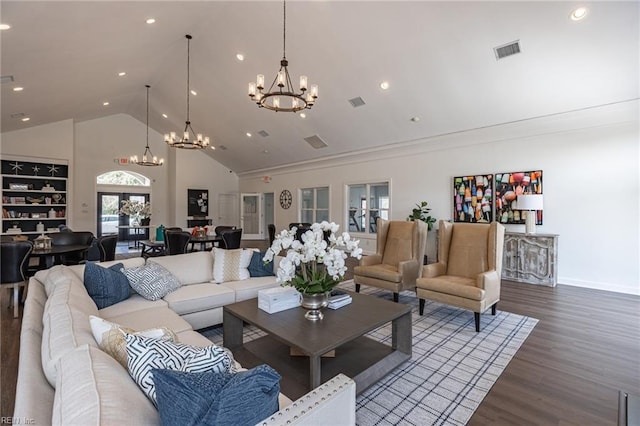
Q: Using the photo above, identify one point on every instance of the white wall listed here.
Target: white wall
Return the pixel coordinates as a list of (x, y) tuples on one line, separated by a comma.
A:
[(91, 148), (590, 161)]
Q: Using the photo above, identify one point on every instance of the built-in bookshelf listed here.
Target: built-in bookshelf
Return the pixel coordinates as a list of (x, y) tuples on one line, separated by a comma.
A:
[(34, 196)]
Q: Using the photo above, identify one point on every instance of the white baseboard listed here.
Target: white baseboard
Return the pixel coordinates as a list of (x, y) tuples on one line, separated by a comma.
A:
[(618, 288)]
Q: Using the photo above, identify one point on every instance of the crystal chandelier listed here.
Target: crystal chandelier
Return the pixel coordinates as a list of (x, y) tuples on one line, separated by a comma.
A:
[(190, 139), (275, 98), (148, 159)]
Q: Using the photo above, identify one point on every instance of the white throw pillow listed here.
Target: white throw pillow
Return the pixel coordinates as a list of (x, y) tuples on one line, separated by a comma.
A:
[(231, 265), (152, 281), (110, 337), (145, 354)]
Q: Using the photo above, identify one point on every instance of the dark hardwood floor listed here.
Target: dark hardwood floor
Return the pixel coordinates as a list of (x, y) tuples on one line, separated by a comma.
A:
[(585, 347)]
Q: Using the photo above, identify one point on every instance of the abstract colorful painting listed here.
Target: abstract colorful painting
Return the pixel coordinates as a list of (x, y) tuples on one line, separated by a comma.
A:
[(473, 199), (507, 188)]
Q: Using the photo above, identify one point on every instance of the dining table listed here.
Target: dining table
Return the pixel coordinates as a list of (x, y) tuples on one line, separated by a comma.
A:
[(204, 240), (47, 257)]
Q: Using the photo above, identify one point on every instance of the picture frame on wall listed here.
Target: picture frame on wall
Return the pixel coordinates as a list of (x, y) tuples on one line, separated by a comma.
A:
[(197, 202), (473, 198), (507, 188)]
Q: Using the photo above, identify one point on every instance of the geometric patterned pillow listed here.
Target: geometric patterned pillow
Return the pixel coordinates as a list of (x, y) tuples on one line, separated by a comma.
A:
[(145, 354), (152, 281), (110, 337), (231, 265)]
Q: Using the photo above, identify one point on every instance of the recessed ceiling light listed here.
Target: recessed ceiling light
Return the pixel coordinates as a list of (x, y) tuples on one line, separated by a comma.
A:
[(578, 14), (4, 27), (384, 85), (105, 103), (213, 147), (240, 57), (194, 93), (25, 119), (265, 152), (150, 21), (415, 119), (122, 74), (249, 134), (165, 115), (18, 89), (303, 115)]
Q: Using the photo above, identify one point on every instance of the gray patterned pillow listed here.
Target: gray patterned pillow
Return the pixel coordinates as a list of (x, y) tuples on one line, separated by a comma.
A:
[(152, 281)]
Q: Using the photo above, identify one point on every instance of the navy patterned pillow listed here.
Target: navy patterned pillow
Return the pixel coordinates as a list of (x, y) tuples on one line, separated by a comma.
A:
[(209, 398), (145, 354), (106, 286), (152, 281)]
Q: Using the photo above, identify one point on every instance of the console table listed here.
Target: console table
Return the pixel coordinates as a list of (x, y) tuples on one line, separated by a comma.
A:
[(530, 258)]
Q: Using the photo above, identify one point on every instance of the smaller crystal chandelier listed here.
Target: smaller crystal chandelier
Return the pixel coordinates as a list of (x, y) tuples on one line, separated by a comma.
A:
[(271, 99), (148, 159), (190, 139)]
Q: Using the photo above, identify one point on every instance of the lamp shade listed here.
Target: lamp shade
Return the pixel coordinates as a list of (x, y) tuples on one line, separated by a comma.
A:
[(530, 202)]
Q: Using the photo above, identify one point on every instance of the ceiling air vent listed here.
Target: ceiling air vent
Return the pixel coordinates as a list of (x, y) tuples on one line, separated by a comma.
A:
[(6, 79), (356, 102), (263, 133), (508, 49), (316, 142), (222, 147), (18, 115)]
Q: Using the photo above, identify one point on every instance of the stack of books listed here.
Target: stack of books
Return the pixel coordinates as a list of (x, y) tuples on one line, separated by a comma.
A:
[(338, 299)]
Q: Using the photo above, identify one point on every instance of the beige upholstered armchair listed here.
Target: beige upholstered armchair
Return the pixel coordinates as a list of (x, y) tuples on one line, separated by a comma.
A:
[(398, 259), (469, 268)]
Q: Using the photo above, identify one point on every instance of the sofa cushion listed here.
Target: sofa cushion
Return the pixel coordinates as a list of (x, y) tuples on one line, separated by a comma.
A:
[(243, 398), (65, 324), (151, 318), (134, 303), (257, 267), (145, 354), (93, 390), (248, 289), (152, 281), (231, 265), (106, 286), (132, 262), (110, 337), (199, 297), (189, 268)]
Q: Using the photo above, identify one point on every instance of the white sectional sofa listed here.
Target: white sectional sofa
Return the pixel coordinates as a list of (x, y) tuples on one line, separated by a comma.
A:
[(64, 378)]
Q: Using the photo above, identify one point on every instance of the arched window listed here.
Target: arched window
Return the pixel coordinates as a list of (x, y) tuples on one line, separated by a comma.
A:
[(122, 177)]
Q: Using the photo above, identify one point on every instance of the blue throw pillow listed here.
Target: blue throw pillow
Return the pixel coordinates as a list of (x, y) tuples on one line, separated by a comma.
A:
[(106, 286), (257, 267), (220, 399)]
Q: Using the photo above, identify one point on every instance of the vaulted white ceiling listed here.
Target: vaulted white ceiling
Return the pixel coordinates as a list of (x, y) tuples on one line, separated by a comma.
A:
[(437, 57)]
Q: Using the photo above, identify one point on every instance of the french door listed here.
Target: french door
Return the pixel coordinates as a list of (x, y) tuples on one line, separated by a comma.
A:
[(110, 221), (251, 216)]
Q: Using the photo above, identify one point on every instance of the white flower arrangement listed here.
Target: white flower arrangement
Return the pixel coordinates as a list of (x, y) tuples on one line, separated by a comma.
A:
[(136, 208), (317, 264)]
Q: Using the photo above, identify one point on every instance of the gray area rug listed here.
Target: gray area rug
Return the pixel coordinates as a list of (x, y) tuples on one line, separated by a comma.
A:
[(452, 368)]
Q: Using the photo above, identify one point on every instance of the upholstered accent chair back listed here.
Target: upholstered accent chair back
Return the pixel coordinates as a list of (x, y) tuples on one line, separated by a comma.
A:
[(398, 240), (469, 249)]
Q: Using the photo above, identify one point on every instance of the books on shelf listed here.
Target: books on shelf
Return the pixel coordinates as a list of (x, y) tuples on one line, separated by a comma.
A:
[(338, 299)]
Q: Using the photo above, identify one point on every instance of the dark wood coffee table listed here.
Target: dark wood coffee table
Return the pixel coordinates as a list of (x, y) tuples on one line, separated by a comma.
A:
[(359, 357)]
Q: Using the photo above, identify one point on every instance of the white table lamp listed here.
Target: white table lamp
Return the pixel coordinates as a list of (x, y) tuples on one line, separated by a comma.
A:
[(531, 203)]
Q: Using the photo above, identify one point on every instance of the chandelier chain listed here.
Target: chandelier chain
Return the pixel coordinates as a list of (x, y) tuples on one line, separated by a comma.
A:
[(284, 30), (147, 86), (188, 72)]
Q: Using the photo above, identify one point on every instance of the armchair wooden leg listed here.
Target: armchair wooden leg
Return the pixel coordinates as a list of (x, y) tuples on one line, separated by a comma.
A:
[(421, 309), (493, 308), (477, 318), (357, 288), (396, 297)]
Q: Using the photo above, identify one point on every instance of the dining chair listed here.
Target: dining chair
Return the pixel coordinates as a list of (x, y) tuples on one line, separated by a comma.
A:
[(272, 233), (83, 238), (231, 238), (14, 263), (176, 242), (219, 230), (107, 245)]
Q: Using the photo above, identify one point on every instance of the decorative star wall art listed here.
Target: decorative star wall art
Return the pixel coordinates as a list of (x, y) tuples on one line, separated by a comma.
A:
[(35, 169), (16, 167), (53, 169)]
